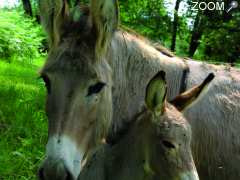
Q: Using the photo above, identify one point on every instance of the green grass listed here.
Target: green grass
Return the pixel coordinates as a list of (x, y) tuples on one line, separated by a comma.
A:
[(23, 125)]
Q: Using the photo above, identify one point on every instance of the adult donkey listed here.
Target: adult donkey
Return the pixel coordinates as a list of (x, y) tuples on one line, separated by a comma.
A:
[(95, 73)]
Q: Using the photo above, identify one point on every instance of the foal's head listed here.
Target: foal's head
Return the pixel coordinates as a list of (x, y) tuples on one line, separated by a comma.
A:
[(78, 81), (157, 143), (163, 137), (165, 133), (157, 146)]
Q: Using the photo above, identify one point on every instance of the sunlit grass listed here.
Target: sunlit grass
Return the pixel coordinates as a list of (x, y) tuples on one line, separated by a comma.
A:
[(23, 127)]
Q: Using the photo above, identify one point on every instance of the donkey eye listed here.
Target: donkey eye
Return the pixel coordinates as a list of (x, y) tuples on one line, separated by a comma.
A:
[(47, 83), (95, 88), (168, 144)]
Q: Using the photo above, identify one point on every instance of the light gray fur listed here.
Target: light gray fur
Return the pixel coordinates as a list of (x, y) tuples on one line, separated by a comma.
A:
[(134, 63), (215, 121), (215, 117)]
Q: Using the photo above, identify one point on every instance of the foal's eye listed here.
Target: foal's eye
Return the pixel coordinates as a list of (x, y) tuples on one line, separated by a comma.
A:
[(47, 83), (168, 144), (94, 89)]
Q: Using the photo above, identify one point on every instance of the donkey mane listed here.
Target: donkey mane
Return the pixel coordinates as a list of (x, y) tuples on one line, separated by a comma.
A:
[(158, 46), (79, 26)]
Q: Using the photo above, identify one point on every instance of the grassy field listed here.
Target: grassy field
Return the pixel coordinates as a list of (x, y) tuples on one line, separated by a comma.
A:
[(23, 125)]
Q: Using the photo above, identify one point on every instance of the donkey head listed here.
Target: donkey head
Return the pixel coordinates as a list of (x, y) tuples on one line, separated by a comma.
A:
[(78, 81), (164, 132)]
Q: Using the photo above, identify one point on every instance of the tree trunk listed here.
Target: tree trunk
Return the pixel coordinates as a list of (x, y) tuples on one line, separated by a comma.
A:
[(27, 7), (196, 34), (175, 25)]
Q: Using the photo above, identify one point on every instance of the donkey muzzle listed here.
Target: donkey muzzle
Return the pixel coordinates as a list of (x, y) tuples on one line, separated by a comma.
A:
[(54, 170)]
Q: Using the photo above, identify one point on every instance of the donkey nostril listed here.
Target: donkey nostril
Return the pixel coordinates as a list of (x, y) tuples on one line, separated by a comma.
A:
[(69, 176), (54, 171), (41, 174)]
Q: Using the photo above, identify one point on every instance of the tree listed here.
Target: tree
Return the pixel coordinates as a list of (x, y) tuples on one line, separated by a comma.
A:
[(197, 32), (175, 25), (148, 17), (216, 35), (27, 7)]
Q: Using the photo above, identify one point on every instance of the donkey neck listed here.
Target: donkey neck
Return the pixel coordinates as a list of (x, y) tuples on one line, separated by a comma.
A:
[(134, 62)]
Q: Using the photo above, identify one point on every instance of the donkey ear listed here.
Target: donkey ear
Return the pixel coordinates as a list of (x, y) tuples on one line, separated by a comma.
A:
[(53, 15), (156, 93), (105, 17), (188, 97)]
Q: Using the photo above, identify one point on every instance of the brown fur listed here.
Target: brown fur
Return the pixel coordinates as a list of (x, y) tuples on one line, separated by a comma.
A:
[(183, 100)]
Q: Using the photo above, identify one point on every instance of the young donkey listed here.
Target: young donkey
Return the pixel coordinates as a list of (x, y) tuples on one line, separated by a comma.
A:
[(95, 73), (156, 146)]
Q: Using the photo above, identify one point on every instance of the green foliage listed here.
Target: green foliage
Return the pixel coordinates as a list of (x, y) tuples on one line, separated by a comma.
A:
[(23, 125), (220, 37), (148, 17), (222, 41), (216, 32), (183, 37), (20, 37)]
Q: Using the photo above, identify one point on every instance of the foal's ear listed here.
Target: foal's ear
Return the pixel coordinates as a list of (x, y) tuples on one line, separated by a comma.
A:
[(188, 97), (105, 18), (53, 15), (156, 93)]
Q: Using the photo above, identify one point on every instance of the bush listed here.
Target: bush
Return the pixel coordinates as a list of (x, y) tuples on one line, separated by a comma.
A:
[(20, 37)]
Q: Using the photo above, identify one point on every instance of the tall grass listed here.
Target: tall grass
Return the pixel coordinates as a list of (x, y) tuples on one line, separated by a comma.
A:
[(23, 127), (22, 121)]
